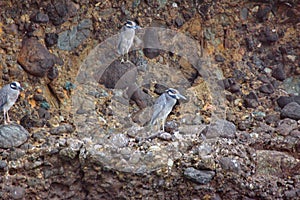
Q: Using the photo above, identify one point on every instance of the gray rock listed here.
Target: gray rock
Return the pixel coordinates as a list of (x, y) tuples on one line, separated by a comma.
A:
[(291, 110), (229, 164), (12, 135), (279, 73), (40, 17), (17, 192), (285, 126), (284, 100), (64, 128), (70, 39), (119, 140), (266, 88), (3, 164), (221, 128), (199, 176)]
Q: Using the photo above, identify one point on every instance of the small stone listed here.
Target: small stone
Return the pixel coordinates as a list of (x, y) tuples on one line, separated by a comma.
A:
[(262, 13), (231, 85), (285, 126), (229, 164), (266, 88), (40, 17), (3, 165), (279, 73), (250, 44), (251, 100), (165, 136), (64, 128), (44, 114), (244, 13), (51, 39), (291, 110), (268, 36), (199, 176), (12, 135), (179, 22), (219, 58), (17, 192), (119, 140)]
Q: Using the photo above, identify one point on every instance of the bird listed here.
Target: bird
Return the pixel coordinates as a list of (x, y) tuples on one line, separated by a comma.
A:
[(126, 38), (163, 106), (8, 96)]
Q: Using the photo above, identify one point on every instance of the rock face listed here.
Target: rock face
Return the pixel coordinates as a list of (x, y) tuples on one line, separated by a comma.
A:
[(12, 135), (89, 133), (70, 39), (35, 58)]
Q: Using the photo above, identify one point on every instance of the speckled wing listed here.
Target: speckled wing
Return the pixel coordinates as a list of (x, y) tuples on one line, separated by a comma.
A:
[(158, 107), (3, 98)]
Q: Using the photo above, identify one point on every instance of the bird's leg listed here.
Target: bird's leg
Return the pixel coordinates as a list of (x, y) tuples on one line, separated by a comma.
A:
[(127, 57), (163, 125), (4, 117), (8, 120)]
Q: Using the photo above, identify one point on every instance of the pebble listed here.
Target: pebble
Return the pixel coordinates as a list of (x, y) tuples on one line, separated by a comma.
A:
[(40, 17), (61, 129), (51, 39), (119, 140), (279, 73), (229, 164), (266, 88), (199, 176)]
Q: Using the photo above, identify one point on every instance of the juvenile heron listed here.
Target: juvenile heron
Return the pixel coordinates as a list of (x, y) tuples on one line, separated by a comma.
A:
[(8, 96), (126, 38), (163, 106)]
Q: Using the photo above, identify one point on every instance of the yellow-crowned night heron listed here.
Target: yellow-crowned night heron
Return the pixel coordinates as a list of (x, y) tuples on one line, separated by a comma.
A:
[(8, 96), (163, 106), (126, 38)]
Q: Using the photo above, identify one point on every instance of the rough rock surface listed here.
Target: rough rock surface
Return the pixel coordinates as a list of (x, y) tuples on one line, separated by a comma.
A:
[(235, 137), (12, 135)]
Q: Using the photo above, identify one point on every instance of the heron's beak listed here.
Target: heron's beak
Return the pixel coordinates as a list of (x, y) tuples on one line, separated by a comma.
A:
[(137, 27), (20, 88), (179, 96)]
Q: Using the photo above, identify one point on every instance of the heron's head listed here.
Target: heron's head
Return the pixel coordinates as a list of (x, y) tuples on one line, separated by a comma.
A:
[(175, 94), (132, 25), (16, 86)]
